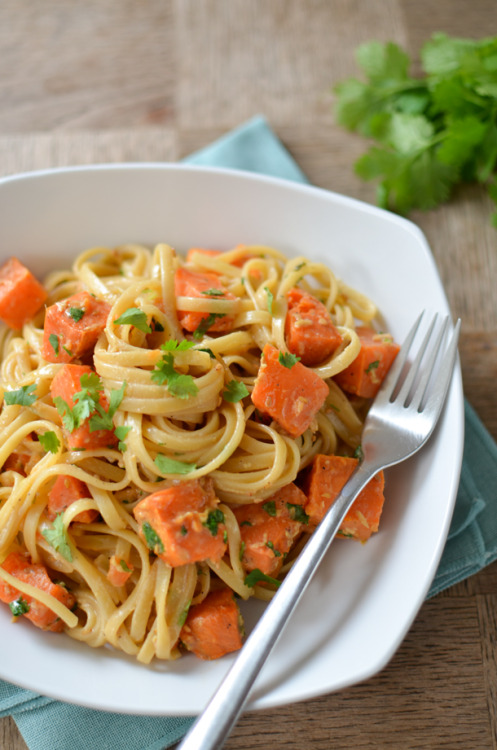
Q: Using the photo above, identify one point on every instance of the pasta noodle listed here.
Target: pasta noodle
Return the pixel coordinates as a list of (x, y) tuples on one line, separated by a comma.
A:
[(181, 414)]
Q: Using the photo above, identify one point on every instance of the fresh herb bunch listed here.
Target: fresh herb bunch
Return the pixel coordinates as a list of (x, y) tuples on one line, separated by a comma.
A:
[(433, 132)]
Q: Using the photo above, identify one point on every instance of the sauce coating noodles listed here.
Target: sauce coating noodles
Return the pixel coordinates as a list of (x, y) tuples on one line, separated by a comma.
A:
[(193, 421)]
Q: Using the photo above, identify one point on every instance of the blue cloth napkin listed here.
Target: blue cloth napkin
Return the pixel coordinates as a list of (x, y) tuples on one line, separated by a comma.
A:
[(472, 543)]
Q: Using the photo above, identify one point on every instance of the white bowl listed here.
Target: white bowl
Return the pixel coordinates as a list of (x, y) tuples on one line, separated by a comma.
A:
[(364, 598)]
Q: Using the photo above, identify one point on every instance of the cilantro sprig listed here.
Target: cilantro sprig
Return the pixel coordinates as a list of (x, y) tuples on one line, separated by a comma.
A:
[(235, 391), (23, 396), (56, 535), (87, 405), (164, 373), (257, 576), (49, 441), (205, 324), (287, 359), (133, 316), (168, 465), (433, 132)]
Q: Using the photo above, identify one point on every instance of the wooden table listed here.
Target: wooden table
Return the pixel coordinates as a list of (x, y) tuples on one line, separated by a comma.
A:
[(118, 80)]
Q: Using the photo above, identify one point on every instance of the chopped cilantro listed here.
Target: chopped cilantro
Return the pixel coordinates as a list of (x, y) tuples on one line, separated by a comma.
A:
[(183, 530), (297, 513), (121, 433), (133, 316), (19, 607), (235, 391), (208, 351), (271, 546), (102, 420), (87, 405), (152, 539), (372, 366), (168, 465), (206, 323), (49, 441), (54, 343), (214, 518), (270, 300), (184, 615), (24, 396), (157, 326), (177, 346), (76, 313), (180, 386), (214, 292), (58, 538), (359, 453), (125, 566), (270, 507), (67, 351), (287, 360), (256, 576)]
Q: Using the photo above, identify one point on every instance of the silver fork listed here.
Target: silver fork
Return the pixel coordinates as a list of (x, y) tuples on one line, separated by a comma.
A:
[(400, 421)]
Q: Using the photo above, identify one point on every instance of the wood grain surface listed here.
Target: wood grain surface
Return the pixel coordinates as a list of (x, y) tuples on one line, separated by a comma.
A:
[(120, 80)]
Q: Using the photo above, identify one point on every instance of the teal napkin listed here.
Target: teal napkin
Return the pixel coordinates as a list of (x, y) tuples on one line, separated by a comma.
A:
[(472, 543)]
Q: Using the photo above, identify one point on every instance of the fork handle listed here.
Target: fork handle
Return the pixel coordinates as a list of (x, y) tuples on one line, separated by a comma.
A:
[(213, 726)]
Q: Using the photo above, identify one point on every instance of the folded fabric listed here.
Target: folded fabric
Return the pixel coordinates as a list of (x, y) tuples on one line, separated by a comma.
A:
[(472, 543)]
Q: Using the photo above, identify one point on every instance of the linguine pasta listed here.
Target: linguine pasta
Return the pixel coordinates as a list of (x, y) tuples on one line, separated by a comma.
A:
[(204, 428)]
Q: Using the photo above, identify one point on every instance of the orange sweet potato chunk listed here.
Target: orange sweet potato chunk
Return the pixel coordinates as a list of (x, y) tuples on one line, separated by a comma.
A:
[(366, 373), (326, 479), (66, 384), (182, 523), (213, 628), (269, 529), (35, 574), (73, 326), (67, 490), (291, 396), (21, 294), (201, 285), (309, 330), (119, 571)]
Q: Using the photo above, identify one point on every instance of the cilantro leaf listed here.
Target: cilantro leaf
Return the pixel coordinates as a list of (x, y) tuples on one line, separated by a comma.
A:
[(53, 340), (297, 513), (214, 292), (24, 396), (152, 539), (214, 518), (102, 420), (235, 391), (206, 323), (76, 313), (49, 441), (121, 433), (177, 346), (270, 300), (124, 565), (133, 316), (178, 385), (58, 538), (256, 576), (432, 132), (287, 360), (168, 465), (19, 607)]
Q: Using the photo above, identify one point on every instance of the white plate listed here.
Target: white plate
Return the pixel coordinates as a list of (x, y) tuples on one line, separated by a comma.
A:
[(364, 598)]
